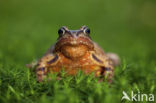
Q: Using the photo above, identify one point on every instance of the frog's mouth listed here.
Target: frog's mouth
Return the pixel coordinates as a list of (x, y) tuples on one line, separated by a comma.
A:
[(74, 48), (75, 42)]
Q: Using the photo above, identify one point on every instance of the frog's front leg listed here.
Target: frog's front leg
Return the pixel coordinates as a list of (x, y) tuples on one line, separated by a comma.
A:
[(105, 67), (41, 73), (105, 73), (108, 73), (43, 64)]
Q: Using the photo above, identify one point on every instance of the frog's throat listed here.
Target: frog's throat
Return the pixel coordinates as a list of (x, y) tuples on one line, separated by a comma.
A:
[(74, 52)]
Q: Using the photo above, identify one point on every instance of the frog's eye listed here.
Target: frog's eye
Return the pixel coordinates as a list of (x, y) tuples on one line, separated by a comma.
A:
[(61, 31), (86, 31)]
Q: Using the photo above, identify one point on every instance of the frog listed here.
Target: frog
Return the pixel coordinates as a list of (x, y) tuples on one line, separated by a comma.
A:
[(75, 51)]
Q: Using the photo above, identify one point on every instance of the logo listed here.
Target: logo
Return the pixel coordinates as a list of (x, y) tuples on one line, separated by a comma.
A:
[(137, 96)]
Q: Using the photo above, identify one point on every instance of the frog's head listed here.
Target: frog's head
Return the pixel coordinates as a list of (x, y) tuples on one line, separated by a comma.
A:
[(74, 43)]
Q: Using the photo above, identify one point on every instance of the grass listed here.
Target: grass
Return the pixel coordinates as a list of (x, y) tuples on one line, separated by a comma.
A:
[(28, 28)]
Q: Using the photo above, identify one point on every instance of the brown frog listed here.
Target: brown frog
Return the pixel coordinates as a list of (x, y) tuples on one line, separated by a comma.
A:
[(74, 51)]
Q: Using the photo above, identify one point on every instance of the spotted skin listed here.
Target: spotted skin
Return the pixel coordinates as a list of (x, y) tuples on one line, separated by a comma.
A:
[(74, 51)]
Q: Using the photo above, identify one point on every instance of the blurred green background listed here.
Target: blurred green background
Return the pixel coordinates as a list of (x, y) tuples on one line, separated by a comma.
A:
[(127, 27), (29, 27)]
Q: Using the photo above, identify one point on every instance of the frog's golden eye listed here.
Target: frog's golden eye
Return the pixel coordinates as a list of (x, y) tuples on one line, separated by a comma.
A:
[(61, 31), (86, 31)]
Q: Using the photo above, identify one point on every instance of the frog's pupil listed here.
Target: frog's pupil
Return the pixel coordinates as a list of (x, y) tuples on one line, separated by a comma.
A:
[(60, 31), (87, 31)]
